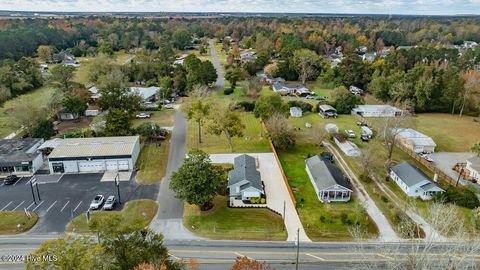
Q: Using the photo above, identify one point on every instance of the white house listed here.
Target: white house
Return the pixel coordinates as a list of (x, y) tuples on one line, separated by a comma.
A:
[(244, 181), (355, 90), (473, 167), (95, 154), (20, 157), (328, 181), (415, 141), (413, 181), (296, 112), (377, 111), (349, 148), (147, 94)]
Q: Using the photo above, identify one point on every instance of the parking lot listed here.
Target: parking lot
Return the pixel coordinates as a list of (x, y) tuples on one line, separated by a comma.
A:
[(66, 196)]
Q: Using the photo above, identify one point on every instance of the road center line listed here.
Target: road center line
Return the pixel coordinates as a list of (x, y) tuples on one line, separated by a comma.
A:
[(78, 205), (316, 257), (19, 179), (51, 206), (384, 256), (6, 205), (37, 206), (30, 205), (65, 206), (18, 206), (175, 257)]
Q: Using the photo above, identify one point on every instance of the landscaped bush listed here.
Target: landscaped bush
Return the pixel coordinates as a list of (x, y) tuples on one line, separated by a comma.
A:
[(263, 201), (306, 107), (228, 91), (384, 199), (459, 196)]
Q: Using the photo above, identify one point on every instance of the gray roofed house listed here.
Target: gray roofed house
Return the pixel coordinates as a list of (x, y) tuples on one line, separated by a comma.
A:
[(413, 181), (328, 180), (244, 181), (20, 156)]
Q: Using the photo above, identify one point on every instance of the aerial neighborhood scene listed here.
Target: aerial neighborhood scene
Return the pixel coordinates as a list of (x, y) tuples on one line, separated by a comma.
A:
[(243, 135)]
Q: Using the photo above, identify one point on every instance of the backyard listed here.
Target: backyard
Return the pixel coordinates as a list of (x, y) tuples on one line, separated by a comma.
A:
[(163, 118), (253, 140), (135, 215), (222, 222)]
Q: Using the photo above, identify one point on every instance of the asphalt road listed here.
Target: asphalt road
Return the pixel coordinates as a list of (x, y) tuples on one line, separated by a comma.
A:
[(220, 255), (220, 84), (68, 196)]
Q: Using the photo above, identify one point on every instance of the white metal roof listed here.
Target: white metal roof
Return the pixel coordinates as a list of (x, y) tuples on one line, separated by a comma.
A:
[(417, 138), (98, 146)]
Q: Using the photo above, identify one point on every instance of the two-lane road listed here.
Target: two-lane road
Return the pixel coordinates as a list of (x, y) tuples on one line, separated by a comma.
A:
[(220, 84)]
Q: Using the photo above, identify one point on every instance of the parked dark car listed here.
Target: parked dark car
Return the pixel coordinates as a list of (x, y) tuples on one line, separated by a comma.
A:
[(10, 180)]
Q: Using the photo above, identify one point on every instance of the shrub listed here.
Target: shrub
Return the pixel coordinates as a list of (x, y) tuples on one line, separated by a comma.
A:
[(459, 196), (344, 219), (384, 199), (263, 201), (322, 218), (228, 91), (306, 107), (247, 106)]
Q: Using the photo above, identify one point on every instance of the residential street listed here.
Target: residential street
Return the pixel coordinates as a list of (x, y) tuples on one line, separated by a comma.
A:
[(220, 84), (169, 218), (275, 189)]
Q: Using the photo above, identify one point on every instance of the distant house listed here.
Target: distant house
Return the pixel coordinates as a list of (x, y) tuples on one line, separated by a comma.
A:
[(473, 168), (369, 57), (180, 59), (355, 90), (71, 63), (470, 44), (415, 141), (283, 89), (296, 112), (328, 181), (361, 49), (247, 56), (148, 94), (244, 181), (94, 94), (377, 111), (64, 115), (405, 47), (92, 110), (349, 148), (413, 181), (327, 111), (62, 56), (266, 79), (335, 62)]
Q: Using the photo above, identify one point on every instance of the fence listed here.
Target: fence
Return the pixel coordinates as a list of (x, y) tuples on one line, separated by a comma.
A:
[(418, 158)]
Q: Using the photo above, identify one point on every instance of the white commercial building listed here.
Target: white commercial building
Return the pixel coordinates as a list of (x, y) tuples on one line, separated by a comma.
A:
[(95, 154), (377, 111)]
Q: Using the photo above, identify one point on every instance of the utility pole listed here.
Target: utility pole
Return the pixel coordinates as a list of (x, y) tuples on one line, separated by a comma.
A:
[(298, 247), (117, 183), (36, 185)]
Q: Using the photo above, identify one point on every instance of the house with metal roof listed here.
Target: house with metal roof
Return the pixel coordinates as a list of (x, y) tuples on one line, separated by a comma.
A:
[(20, 156), (146, 93), (377, 111), (415, 141), (328, 181), (413, 181), (245, 181), (327, 111), (97, 154)]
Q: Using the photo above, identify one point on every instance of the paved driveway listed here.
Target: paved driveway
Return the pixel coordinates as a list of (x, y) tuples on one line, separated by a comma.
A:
[(275, 189), (70, 196), (445, 161)]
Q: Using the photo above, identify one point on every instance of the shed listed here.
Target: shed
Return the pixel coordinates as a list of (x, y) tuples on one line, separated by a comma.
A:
[(349, 148), (296, 112), (327, 111), (331, 128)]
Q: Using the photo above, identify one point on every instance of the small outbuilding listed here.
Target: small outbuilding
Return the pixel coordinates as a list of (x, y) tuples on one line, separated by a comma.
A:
[(327, 111), (331, 128), (349, 148), (296, 112), (328, 181)]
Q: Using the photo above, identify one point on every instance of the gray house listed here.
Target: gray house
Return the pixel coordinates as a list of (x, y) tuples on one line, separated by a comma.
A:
[(413, 181), (328, 181), (244, 181)]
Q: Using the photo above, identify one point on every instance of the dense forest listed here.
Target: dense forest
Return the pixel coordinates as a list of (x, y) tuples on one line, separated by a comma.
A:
[(432, 75)]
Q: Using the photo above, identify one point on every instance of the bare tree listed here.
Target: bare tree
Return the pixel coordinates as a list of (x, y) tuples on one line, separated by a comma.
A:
[(433, 252), (472, 86), (389, 128), (306, 62), (281, 132), (318, 134)]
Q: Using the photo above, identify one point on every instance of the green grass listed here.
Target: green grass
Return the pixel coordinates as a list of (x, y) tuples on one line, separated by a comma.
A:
[(253, 140), (223, 222), (9, 221), (38, 97), (322, 222), (163, 118), (152, 163), (136, 214), (450, 132)]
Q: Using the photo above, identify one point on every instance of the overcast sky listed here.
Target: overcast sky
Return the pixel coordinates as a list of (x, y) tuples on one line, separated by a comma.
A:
[(448, 7)]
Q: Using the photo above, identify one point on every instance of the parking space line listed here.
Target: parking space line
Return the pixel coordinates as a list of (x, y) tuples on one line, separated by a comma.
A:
[(65, 206), (28, 182), (78, 205), (18, 206), (30, 205), (19, 179), (1, 185), (51, 206), (37, 206), (6, 205)]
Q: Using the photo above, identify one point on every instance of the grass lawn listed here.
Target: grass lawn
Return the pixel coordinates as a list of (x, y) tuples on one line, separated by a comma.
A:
[(38, 97), (251, 142), (223, 222), (152, 163), (163, 118), (322, 222), (450, 132), (9, 221), (137, 214)]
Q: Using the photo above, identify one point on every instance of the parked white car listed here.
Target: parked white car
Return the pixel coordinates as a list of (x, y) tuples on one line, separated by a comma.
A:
[(110, 203), (97, 202), (144, 115), (350, 133)]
